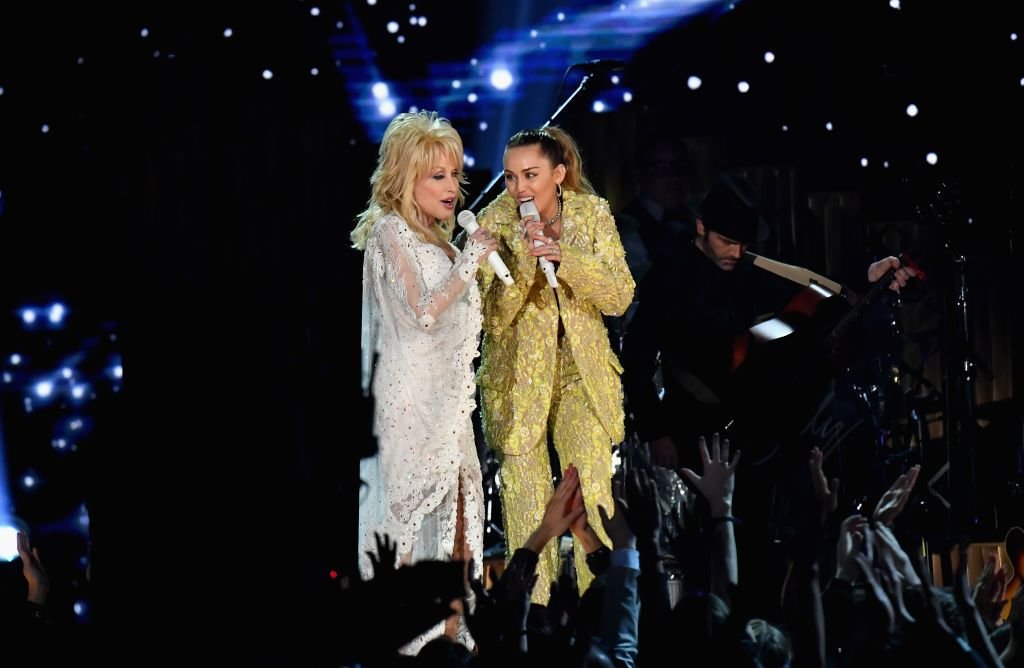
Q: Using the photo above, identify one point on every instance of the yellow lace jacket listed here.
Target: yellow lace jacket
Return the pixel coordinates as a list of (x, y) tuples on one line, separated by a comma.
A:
[(521, 322)]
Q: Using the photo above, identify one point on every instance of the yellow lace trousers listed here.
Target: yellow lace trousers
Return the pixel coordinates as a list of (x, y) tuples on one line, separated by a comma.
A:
[(526, 483)]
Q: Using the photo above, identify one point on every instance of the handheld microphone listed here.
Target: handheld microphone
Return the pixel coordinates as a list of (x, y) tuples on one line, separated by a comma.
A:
[(467, 221), (528, 208)]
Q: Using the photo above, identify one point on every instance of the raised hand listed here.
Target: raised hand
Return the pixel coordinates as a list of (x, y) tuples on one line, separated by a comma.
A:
[(827, 494), (616, 526), (385, 558), (989, 593), (895, 498), (33, 571), (849, 545), (719, 477)]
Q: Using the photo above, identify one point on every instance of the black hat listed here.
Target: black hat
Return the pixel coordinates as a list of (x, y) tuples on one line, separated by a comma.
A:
[(730, 208)]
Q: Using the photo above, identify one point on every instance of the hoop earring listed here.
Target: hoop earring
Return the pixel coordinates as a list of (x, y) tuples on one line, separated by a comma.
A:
[(558, 190)]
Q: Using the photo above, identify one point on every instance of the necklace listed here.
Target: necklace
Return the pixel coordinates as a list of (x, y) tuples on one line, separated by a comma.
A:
[(558, 214)]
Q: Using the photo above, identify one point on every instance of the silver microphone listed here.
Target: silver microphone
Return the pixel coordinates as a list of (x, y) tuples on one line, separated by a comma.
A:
[(467, 221), (528, 208)]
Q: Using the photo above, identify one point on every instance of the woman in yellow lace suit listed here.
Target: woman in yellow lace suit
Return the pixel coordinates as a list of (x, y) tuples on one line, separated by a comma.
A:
[(547, 364)]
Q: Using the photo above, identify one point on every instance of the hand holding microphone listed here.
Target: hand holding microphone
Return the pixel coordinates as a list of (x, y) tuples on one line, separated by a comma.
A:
[(528, 208), (467, 221)]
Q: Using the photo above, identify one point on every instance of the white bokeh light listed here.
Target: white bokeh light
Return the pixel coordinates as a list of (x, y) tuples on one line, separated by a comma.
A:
[(912, 110), (29, 481), (469, 160), (422, 21), (501, 78), (15, 359), (471, 98), (392, 27), (28, 316), (268, 75), (43, 389), (144, 32), (56, 313), (931, 158), (379, 90), (314, 11), (769, 57), (560, 16), (533, 34), (599, 106), (743, 87), (483, 125), (627, 97), (693, 82), (386, 108), (45, 129), (456, 84), (314, 71), (828, 126), (895, 4), (400, 39), (863, 162), (228, 32), (615, 79)]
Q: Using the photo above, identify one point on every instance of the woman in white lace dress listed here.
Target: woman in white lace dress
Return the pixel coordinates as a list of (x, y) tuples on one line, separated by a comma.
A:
[(421, 329)]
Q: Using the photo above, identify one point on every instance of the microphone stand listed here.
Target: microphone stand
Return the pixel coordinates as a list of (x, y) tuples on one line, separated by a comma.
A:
[(587, 76)]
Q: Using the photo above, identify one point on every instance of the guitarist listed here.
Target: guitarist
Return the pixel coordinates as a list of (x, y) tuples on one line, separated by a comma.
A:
[(692, 308)]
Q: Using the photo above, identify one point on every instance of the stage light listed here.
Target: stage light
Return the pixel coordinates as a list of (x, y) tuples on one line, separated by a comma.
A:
[(769, 57), (501, 78), (8, 543), (78, 391), (895, 4), (43, 389), (28, 316), (45, 129), (268, 75), (598, 106), (386, 108), (392, 27), (561, 16), (144, 32), (911, 110), (15, 359), (380, 90), (228, 32), (615, 79), (483, 125), (931, 158), (400, 39), (743, 87), (533, 34), (56, 313), (828, 126), (471, 98), (422, 21), (627, 97), (693, 82), (29, 481), (469, 160), (456, 84), (314, 11), (314, 71), (863, 162)]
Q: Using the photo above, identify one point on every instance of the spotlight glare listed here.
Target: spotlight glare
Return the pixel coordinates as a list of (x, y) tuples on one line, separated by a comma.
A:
[(895, 4), (400, 39), (693, 82), (501, 78), (380, 90), (469, 160), (118, 371), (8, 543), (15, 359)]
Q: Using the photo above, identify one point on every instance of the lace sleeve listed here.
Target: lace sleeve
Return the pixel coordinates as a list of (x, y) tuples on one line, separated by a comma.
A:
[(400, 273)]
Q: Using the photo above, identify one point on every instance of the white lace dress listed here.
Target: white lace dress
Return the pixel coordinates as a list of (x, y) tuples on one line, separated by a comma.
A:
[(421, 316)]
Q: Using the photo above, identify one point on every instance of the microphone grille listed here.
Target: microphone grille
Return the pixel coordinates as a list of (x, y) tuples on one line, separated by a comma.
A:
[(465, 218)]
